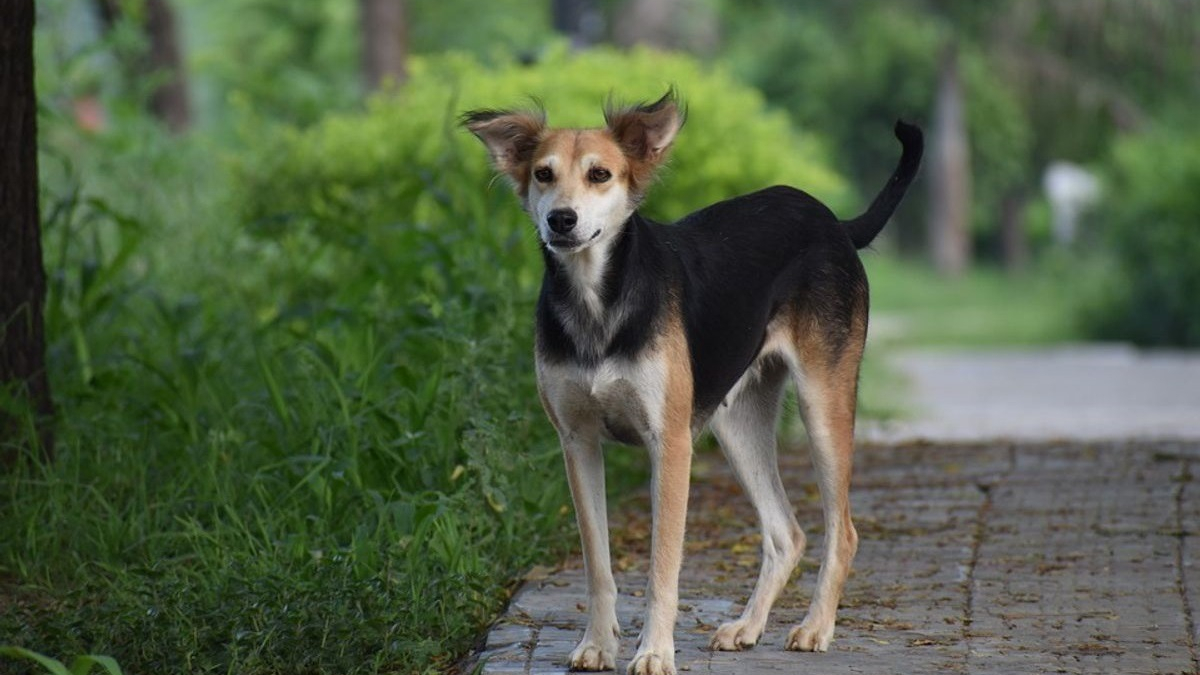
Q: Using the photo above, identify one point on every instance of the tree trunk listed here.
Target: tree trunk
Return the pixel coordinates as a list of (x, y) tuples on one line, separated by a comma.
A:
[(1014, 242), (169, 101), (648, 22), (384, 42), (24, 387), (950, 184), (579, 20)]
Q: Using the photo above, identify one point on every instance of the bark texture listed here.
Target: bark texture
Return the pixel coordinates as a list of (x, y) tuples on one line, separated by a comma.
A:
[(169, 102), (23, 381)]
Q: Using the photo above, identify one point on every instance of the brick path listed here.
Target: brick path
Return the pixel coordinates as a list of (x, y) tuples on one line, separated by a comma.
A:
[(1003, 529), (1000, 558)]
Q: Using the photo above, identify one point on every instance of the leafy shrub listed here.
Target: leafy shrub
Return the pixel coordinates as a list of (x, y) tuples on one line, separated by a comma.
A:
[(403, 160), (1151, 221)]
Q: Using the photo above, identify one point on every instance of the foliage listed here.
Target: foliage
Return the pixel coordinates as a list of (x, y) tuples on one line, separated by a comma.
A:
[(851, 74), (295, 61), (263, 469), (81, 665), (1150, 291), (353, 173), (497, 29), (276, 59)]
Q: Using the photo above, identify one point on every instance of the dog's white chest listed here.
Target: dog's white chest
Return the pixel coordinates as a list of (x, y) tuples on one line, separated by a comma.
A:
[(622, 399)]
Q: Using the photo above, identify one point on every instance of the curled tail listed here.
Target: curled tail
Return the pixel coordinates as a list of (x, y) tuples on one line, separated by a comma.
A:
[(864, 228)]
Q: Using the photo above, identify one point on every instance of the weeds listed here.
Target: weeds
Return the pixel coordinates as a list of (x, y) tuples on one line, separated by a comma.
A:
[(278, 454), (81, 665)]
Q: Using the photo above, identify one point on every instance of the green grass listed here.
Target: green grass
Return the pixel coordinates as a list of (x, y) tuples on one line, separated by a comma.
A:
[(276, 454), (80, 665), (912, 306)]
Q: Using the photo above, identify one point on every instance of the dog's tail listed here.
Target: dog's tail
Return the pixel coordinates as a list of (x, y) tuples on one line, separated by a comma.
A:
[(864, 228)]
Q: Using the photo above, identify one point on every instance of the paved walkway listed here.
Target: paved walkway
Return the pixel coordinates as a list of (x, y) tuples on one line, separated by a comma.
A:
[(1069, 556), (1085, 392)]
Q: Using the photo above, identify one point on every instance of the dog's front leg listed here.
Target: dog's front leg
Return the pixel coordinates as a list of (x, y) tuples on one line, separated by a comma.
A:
[(671, 461), (585, 473)]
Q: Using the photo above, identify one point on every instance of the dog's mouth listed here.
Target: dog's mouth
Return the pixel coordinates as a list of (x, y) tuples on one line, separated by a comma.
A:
[(568, 244)]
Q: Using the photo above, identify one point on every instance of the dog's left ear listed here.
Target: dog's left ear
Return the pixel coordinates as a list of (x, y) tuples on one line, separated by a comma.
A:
[(511, 138), (646, 132)]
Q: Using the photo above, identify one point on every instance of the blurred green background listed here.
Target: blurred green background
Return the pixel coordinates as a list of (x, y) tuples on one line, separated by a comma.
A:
[(289, 308)]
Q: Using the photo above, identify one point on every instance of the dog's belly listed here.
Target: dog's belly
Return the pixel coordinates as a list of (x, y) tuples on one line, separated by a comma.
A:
[(622, 399)]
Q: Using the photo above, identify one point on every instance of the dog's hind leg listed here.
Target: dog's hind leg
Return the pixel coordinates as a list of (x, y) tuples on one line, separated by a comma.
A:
[(746, 429), (828, 389)]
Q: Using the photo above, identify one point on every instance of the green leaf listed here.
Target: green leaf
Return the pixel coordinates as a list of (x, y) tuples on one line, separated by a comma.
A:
[(51, 665)]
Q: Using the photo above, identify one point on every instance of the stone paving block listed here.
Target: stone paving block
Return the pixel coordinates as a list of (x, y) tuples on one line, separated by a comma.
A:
[(499, 669), (972, 559), (505, 634), (507, 660)]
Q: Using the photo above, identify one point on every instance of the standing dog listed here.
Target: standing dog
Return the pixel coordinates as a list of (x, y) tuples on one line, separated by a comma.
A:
[(646, 333)]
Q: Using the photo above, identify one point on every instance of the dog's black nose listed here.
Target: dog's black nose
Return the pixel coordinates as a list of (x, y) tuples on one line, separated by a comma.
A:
[(562, 221)]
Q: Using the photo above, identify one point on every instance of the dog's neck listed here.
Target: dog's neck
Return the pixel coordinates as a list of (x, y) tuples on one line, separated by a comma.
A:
[(585, 273), (590, 297), (587, 282)]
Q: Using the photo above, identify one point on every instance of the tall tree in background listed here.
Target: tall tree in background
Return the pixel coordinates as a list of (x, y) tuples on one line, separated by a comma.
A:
[(579, 20), (950, 175), (384, 42), (162, 60), (666, 24), (23, 381)]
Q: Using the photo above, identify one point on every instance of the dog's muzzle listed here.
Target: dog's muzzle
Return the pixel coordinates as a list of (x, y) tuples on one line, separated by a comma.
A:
[(562, 221)]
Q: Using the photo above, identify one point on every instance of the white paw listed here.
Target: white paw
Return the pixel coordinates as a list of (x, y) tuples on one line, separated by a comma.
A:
[(734, 636), (811, 636), (591, 656), (653, 663)]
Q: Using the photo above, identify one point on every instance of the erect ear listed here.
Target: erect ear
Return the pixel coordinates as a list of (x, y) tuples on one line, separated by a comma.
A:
[(646, 130), (510, 136)]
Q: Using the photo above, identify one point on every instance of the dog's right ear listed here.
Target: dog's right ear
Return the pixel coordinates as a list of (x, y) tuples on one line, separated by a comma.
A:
[(511, 137)]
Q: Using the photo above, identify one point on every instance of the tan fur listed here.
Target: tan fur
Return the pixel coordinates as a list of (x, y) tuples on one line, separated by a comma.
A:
[(511, 139), (644, 135), (827, 404), (573, 145), (671, 475)]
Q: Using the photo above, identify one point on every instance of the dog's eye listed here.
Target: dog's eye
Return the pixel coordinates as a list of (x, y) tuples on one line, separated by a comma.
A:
[(599, 175), (543, 175)]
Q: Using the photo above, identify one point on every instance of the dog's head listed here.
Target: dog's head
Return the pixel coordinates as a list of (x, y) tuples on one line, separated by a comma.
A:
[(579, 185)]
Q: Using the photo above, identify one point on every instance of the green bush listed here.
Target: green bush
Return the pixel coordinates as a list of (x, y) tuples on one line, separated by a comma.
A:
[(403, 160), (296, 61), (1151, 222)]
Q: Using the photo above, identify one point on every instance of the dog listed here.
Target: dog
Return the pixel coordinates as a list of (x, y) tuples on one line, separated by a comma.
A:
[(649, 333)]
